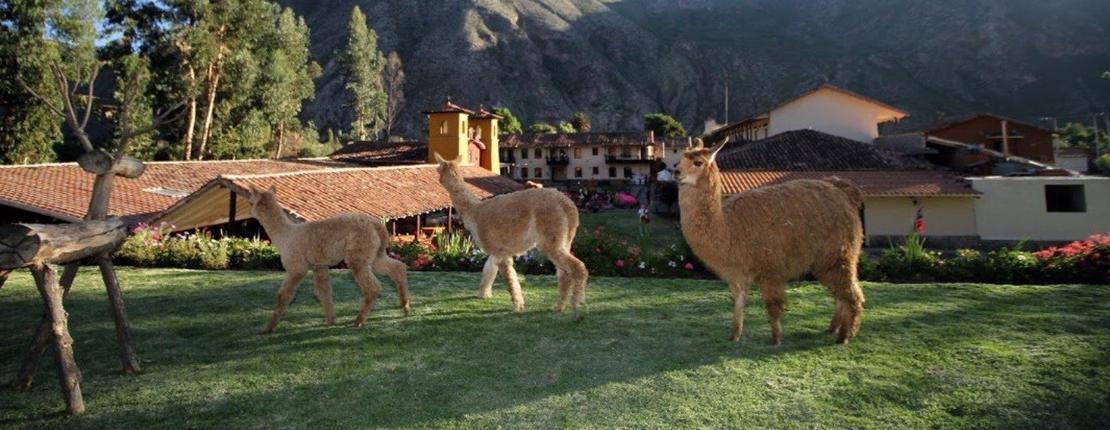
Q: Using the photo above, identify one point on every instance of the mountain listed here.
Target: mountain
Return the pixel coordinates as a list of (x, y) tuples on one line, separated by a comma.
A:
[(617, 60)]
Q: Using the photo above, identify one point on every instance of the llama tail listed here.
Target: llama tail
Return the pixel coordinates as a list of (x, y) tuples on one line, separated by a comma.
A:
[(383, 237), (851, 190)]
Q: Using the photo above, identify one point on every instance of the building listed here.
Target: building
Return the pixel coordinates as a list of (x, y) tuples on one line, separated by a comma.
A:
[(984, 139), (1041, 208), (826, 108), (896, 188), (578, 156)]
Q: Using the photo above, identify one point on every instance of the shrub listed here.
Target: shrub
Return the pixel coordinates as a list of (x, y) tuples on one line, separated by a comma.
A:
[(909, 261), (968, 264), (1011, 265), (1102, 163), (252, 254), (1080, 261)]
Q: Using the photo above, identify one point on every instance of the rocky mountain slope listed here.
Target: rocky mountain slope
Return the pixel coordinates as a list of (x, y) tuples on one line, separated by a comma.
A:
[(617, 60)]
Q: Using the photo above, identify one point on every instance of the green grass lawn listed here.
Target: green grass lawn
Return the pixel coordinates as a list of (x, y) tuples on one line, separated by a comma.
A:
[(656, 236), (648, 353)]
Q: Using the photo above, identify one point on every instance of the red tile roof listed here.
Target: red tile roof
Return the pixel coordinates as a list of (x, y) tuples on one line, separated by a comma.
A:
[(63, 190), (880, 183), (385, 192)]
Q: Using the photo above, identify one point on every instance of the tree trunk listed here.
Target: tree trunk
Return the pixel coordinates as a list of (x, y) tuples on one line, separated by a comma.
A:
[(280, 138), (190, 124), (212, 77), (4, 277), (27, 245), (69, 375), (127, 356)]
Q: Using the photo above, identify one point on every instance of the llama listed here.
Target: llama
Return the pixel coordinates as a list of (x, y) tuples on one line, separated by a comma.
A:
[(511, 224), (771, 235), (357, 239)]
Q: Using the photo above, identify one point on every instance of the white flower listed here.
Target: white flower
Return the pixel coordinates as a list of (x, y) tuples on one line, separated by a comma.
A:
[(642, 265), (672, 264)]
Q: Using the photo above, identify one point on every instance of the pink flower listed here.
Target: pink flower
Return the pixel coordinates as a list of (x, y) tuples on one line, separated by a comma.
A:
[(619, 264), (689, 266)]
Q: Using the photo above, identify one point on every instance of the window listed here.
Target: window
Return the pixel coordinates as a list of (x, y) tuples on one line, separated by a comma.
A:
[(628, 173), (539, 172), (577, 153), (577, 172), (597, 170), (538, 153), (443, 127), (612, 172), (595, 150), (524, 173), (1065, 198)]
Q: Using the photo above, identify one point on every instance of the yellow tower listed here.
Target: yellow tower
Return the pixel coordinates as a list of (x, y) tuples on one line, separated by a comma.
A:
[(484, 124), (448, 132)]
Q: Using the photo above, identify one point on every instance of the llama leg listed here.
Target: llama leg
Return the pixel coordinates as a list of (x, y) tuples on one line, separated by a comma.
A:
[(842, 283), (564, 289), (370, 288), (323, 292), (285, 295), (739, 300), (572, 275), (506, 265), (489, 274), (398, 273), (774, 298)]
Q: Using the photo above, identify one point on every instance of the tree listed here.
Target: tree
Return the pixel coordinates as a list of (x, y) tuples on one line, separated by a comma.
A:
[(28, 129), (509, 123), (663, 125), (362, 67), (286, 79), (393, 83), (1078, 135), (565, 127), (581, 122), (542, 128)]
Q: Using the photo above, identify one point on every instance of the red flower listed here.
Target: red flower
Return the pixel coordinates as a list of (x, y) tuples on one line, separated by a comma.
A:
[(619, 264), (689, 266)]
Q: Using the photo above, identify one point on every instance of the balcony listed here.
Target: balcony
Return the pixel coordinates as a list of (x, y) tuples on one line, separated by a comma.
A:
[(616, 159), (558, 160)]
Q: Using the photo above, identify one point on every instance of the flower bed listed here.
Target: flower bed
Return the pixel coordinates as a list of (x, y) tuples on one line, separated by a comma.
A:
[(1086, 261)]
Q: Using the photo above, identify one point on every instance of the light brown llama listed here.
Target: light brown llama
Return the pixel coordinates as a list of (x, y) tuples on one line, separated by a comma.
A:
[(771, 235), (511, 224), (357, 239)]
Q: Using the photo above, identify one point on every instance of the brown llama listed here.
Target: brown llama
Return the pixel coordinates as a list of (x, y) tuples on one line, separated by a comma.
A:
[(511, 224), (773, 234), (357, 239)]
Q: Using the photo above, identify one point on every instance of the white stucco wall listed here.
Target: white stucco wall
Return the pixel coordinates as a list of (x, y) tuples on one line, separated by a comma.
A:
[(1070, 162), (1014, 208), (587, 162), (943, 216), (830, 112)]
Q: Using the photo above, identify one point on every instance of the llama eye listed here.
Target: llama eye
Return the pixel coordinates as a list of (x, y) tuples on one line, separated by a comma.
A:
[(698, 163)]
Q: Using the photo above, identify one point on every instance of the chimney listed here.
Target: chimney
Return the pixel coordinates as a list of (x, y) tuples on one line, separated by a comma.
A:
[(1005, 139), (651, 136)]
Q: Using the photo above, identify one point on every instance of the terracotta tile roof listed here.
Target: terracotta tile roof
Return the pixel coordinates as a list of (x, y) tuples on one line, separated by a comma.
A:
[(484, 114), (534, 140), (449, 107), (912, 183), (385, 192), (63, 190), (951, 121), (802, 150), (382, 153)]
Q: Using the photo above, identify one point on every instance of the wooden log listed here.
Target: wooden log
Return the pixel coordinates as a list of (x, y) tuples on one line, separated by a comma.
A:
[(69, 376), (127, 356), (100, 162), (32, 360), (4, 277), (26, 245)]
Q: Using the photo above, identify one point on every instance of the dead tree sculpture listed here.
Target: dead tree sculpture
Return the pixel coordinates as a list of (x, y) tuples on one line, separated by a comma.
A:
[(39, 247)]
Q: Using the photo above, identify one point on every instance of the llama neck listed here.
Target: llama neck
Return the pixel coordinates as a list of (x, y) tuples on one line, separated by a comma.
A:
[(461, 197), (703, 219), (274, 220)]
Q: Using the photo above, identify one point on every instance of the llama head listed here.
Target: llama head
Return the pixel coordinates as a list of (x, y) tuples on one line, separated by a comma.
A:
[(449, 171), (697, 163), (260, 198)]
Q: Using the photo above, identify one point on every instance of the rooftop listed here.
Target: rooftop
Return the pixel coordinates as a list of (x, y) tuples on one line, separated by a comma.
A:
[(811, 150), (915, 183)]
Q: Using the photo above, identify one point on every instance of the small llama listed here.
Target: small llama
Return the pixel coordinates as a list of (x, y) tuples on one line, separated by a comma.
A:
[(511, 224), (357, 239)]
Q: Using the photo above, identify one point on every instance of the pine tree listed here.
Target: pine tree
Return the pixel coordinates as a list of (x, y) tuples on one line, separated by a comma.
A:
[(362, 66), (287, 77)]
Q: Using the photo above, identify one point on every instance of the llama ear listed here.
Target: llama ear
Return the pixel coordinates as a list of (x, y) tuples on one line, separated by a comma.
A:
[(459, 158), (713, 154), (698, 143), (272, 190), (439, 158)]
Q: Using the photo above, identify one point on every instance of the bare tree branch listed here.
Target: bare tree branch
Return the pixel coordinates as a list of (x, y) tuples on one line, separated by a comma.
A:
[(89, 100), (44, 100)]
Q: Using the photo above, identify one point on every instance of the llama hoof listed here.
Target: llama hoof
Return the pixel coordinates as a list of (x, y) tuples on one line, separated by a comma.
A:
[(842, 341), (557, 308), (518, 309), (776, 342), (484, 295), (405, 309), (266, 331)]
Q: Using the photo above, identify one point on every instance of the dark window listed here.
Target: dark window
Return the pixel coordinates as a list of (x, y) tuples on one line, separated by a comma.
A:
[(595, 150), (538, 153), (1065, 198), (612, 172), (524, 173), (577, 172), (539, 172), (577, 153), (596, 169), (628, 173)]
